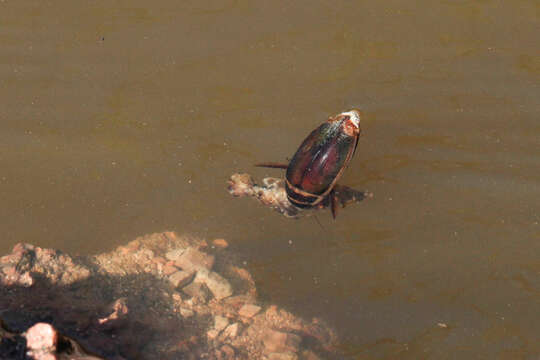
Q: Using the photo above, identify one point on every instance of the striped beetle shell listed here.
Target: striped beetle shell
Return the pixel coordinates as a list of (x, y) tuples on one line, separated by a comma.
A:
[(321, 159)]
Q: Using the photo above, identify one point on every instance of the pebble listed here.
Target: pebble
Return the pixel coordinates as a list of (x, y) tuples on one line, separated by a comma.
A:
[(185, 312), (181, 278), (220, 322), (212, 334), (197, 290), (193, 259), (123, 250), (249, 310), (159, 260), (174, 254), (134, 245), (10, 271), (41, 336), (220, 243), (231, 331), (218, 285), (168, 269), (177, 297)]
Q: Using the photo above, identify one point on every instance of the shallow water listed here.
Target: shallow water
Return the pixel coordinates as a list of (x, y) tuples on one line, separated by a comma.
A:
[(124, 118)]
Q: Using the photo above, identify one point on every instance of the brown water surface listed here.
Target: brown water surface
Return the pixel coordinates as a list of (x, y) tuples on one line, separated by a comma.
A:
[(121, 118)]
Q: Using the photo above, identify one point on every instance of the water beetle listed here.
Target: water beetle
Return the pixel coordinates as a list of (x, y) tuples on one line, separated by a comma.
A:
[(320, 160)]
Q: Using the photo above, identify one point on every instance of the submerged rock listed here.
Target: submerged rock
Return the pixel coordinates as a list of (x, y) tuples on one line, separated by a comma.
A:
[(181, 278), (159, 297), (249, 310), (219, 286)]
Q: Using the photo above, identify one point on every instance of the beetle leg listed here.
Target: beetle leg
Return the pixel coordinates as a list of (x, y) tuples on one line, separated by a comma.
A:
[(337, 194), (273, 165), (334, 203)]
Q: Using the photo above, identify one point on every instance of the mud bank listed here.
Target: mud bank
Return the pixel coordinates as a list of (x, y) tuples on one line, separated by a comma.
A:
[(160, 296)]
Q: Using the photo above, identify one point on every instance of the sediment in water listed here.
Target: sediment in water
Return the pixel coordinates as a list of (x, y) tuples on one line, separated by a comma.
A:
[(160, 296)]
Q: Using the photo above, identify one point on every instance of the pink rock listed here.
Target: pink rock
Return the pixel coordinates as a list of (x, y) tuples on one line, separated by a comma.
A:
[(181, 278), (42, 337), (169, 269), (220, 243), (26, 279), (220, 322), (174, 254), (193, 259), (231, 331), (249, 310), (22, 247), (203, 244), (185, 312), (177, 297), (159, 260), (198, 291), (10, 271), (212, 334), (218, 285), (123, 250)]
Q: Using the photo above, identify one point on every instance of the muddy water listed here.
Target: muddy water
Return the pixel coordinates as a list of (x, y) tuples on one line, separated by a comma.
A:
[(122, 118)]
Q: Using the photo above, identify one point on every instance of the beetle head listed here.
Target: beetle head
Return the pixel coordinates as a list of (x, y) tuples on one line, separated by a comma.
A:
[(350, 121)]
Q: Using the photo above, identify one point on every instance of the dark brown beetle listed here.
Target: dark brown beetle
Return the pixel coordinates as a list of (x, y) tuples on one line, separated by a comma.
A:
[(320, 160)]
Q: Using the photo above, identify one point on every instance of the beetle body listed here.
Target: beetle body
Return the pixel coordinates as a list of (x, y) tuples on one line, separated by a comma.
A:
[(321, 159)]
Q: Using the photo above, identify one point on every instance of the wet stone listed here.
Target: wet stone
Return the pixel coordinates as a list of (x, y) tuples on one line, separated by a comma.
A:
[(249, 310), (134, 245), (159, 260), (212, 334), (123, 250), (181, 278), (220, 243), (193, 259), (42, 337), (220, 322), (186, 313), (197, 290), (218, 285), (231, 331), (10, 271), (168, 269), (174, 254)]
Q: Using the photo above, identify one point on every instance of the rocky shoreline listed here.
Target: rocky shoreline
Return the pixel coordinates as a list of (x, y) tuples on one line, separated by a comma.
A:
[(161, 296)]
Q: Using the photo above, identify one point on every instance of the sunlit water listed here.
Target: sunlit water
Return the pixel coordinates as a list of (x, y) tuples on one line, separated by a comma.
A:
[(124, 118)]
